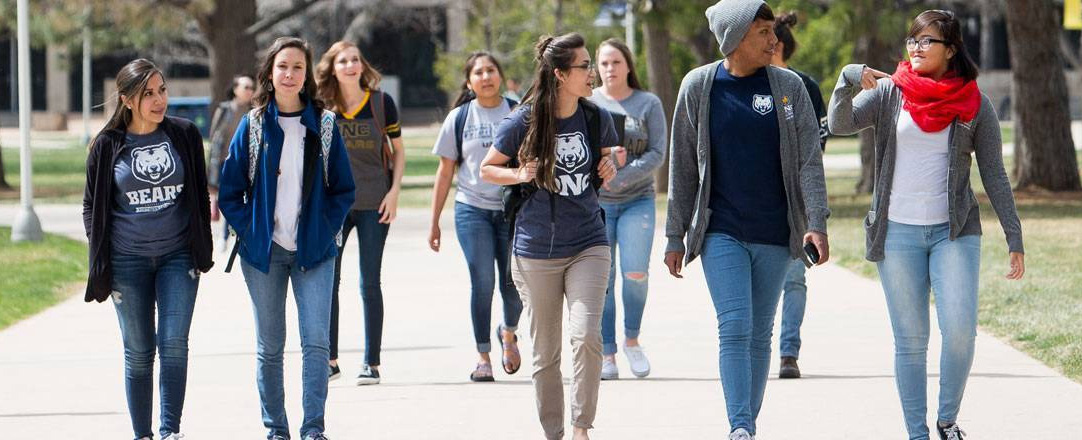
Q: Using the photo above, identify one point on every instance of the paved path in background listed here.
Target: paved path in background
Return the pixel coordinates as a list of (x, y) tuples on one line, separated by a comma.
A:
[(61, 372)]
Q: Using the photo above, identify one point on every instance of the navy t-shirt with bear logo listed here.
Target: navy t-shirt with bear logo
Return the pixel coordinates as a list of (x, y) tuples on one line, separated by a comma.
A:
[(579, 224), (148, 216)]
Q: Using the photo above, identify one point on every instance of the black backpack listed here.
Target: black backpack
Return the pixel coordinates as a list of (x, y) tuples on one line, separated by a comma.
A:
[(460, 124), (514, 196)]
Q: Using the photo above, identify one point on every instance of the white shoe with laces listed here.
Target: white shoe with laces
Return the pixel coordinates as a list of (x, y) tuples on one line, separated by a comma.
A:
[(740, 434), (636, 358), (171, 436), (609, 371)]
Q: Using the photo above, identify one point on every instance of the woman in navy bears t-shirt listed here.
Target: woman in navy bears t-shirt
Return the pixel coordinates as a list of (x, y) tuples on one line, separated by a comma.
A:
[(559, 239), (146, 210), (480, 225), (366, 116)]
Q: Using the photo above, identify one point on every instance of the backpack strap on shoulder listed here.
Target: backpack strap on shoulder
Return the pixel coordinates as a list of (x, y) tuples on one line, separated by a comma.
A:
[(255, 144), (593, 135), (460, 128), (326, 137)]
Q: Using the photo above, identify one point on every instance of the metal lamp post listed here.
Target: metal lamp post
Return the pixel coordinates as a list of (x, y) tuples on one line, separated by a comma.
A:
[(26, 226)]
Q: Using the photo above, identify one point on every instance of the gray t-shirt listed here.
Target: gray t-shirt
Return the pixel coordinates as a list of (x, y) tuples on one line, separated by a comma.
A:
[(477, 137), (645, 138), (148, 175)]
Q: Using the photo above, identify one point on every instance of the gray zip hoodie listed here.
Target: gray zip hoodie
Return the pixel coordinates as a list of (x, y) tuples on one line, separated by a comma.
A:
[(853, 110), (689, 161)]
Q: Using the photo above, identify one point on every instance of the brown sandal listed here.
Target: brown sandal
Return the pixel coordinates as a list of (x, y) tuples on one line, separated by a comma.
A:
[(482, 373), (512, 359)]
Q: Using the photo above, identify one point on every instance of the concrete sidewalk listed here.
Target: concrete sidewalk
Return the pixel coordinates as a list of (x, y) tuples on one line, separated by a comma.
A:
[(61, 372)]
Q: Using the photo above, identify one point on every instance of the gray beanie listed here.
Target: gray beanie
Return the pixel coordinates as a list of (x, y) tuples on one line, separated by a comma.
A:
[(730, 21)]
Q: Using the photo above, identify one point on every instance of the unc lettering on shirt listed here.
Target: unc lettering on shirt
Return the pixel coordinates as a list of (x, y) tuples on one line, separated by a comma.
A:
[(357, 135), (571, 156)]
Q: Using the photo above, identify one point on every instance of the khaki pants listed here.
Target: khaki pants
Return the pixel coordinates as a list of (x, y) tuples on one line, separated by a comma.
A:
[(543, 284)]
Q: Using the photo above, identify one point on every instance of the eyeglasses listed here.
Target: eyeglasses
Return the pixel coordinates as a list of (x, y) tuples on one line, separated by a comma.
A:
[(589, 65), (924, 43)]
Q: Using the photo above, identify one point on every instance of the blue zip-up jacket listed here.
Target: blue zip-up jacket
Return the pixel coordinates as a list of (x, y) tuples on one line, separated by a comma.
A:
[(323, 207)]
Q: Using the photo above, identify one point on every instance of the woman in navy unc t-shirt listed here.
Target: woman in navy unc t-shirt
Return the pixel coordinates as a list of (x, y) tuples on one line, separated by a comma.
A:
[(559, 242)]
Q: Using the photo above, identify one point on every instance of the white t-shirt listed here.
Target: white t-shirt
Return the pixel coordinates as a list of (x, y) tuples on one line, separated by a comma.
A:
[(287, 203), (919, 192), (477, 136)]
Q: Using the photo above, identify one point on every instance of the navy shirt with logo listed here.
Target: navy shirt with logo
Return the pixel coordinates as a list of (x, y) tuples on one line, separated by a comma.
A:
[(148, 219), (578, 220), (747, 195)]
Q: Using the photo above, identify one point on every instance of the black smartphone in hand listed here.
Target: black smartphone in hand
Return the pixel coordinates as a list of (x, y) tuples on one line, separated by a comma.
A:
[(812, 252)]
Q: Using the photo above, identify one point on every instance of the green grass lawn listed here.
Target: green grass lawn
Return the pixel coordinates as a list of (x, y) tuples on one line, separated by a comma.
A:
[(1042, 313), (34, 276), (59, 173)]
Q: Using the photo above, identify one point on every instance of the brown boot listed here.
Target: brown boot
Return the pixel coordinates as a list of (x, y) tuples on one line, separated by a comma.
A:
[(789, 368)]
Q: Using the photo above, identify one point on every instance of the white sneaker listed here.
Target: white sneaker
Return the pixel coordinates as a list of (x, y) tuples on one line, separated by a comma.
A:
[(609, 371), (171, 436), (636, 358), (740, 434)]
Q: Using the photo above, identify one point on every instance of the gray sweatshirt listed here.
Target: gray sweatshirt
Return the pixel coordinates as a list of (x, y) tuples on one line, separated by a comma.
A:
[(689, 161), (645, 134), (853, 110)]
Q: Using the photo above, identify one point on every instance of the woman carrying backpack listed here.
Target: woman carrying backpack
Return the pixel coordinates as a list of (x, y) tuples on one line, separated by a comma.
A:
[(482, 231), (629, 201), (554, 150), (146, 211), (368, 120), (222, 126), (286, 188)]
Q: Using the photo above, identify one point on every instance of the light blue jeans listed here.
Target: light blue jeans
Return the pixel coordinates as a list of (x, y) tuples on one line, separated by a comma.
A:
[(485, 238), (919, 258), (793, 301), (312, 291), (745, 284), (630, 227)]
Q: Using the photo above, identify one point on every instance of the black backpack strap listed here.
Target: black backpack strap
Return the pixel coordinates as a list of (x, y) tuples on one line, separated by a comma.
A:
[(460, 128), (593, 135), (510, 102)]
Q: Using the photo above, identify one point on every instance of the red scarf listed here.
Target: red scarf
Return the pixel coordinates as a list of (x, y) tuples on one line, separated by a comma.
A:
[(934, 104)]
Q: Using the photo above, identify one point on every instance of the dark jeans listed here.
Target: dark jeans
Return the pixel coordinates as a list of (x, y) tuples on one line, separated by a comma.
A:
[(140, 284), (371, 237), (484, 237)]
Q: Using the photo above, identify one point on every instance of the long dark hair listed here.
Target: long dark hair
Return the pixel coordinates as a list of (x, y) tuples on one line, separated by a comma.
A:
[(131, 80), (540, 141), (329, 90), (783, 26), (632, 77), (264, 91), (950, 28), (465, 94)]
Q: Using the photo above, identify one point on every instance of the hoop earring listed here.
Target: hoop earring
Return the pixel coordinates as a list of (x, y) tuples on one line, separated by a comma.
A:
[(270, 87)]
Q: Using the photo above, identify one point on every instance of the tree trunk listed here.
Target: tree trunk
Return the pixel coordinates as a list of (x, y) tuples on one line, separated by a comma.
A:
[(879, 52), (659, 72), (704, 46), (559, 25), (232, 50), (1044, 151)]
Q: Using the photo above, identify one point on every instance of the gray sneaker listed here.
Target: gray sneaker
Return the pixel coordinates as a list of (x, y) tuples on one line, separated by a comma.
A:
[(740, 434), (636, 358), (609, 371), (172, 436), (316, 436)]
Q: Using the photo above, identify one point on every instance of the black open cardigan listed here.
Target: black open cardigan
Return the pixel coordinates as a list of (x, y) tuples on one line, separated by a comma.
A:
[(98, 201)]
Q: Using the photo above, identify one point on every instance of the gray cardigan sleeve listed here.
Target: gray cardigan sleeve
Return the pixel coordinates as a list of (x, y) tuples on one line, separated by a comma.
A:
[(683, 164), (654, 155), (851, 108), (988, 148), (812, 180)]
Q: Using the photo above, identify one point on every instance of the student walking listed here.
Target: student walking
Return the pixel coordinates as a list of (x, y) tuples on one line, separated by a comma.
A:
[(553, 151), (924, 226), (795, 292), (286, 188), (146, 211), (368, 120), (629, 202), (480, 226), (222, 126), (746, 191)]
